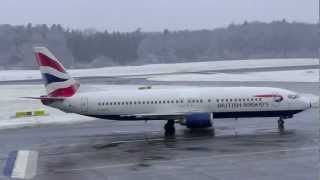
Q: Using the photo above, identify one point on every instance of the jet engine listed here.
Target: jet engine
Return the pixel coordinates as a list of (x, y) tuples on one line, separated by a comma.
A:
[(197, 120)]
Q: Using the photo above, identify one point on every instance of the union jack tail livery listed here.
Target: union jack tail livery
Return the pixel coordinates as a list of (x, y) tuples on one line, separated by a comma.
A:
[(58, 82)]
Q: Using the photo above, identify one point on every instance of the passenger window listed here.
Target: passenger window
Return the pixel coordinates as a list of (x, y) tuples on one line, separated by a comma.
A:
[(177, 101), (201, 101), (216, 100), (181, 101), (143, 102), (209, 100), (107, 103), (130, 102), (197, 100), (235, 100), (222, 100), (139, 102), (230, 100), (134, 102), (226, 100)]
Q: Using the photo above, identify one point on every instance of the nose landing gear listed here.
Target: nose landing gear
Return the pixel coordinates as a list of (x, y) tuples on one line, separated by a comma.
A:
[(281, 123)]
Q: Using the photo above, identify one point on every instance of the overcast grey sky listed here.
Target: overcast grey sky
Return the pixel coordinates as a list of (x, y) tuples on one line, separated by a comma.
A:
[(154, 15)]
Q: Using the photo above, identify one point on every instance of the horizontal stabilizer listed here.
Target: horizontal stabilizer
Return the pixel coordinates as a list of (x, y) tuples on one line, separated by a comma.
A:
[(46, 98)]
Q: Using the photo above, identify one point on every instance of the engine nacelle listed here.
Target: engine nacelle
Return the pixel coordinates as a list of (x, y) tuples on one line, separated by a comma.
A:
[(197, 120)]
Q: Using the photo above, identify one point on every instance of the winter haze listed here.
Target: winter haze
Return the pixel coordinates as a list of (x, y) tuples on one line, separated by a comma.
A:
[(154, 15), (98, 33)]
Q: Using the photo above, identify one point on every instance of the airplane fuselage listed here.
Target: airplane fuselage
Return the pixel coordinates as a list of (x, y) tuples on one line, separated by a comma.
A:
[(223, 102)]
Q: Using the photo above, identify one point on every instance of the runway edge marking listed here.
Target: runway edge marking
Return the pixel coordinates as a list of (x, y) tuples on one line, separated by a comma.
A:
[(21, 164)]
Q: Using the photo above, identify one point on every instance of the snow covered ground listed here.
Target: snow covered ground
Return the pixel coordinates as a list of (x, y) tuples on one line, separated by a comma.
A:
[(10, 75), (308, 75), (11, 102)]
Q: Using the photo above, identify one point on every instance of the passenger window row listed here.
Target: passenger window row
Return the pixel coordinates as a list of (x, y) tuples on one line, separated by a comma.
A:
[(176, 101), (239, 100), (140, 102), (150, 102)]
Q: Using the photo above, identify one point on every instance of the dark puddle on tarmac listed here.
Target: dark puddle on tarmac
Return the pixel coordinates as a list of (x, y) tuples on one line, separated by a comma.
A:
[(259, 139), (103, 146), (146, 153), (185, 140), (198, 148)]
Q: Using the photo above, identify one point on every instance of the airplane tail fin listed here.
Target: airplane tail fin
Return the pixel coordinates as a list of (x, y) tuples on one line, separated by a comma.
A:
[(58, 82)]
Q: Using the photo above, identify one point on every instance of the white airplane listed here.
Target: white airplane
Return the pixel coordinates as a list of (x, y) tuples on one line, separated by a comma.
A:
[(193, 107)]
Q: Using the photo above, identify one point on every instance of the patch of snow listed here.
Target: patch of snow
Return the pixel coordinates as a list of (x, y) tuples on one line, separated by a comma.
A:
[(309, 75), (10, 75)]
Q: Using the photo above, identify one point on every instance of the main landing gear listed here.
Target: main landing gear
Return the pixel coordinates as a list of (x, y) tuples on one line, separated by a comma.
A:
[(281, 124), (169, 128)]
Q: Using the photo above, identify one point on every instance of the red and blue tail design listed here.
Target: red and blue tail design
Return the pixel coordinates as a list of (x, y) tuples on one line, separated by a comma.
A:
[(57, 81)]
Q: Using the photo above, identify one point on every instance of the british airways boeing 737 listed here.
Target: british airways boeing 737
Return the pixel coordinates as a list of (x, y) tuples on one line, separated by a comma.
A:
[(193, 107)]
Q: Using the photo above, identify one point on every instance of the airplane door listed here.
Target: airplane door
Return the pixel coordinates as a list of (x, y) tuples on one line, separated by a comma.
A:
[(84, 104)]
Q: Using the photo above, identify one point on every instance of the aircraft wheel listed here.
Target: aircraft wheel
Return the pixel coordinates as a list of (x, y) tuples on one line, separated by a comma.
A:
[(169, 127), (281, 123)]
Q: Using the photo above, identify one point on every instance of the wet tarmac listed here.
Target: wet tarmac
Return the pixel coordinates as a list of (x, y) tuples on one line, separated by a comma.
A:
[(233, 149)]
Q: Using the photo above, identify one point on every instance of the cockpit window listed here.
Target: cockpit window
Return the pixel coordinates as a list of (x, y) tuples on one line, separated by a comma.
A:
[(293, 96)]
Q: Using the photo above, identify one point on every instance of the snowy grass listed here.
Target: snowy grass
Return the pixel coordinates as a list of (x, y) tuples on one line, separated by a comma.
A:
[(9, 75), (308, 75)]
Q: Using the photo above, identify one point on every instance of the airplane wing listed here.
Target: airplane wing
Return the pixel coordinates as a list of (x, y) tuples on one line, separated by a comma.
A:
[(158, 116)]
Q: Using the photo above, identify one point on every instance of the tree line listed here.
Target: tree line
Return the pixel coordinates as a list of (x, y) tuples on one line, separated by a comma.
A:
[(91, 48)]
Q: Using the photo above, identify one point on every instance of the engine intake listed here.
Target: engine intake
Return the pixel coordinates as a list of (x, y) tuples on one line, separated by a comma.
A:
[(197, 120)]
